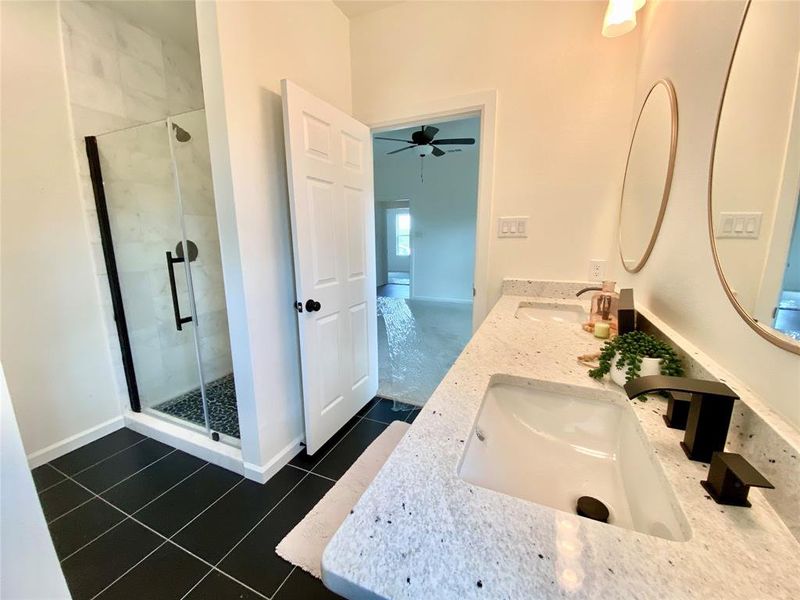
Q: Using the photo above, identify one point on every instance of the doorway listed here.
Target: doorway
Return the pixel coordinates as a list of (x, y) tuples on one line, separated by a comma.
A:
[(426, 191), (393, 244), (787, 312)]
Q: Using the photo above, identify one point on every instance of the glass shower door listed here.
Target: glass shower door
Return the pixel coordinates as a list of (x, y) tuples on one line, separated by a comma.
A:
[(150, 248), (195, 188)]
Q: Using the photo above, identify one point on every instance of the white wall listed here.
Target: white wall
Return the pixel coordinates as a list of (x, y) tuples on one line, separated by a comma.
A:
[(29, 567), (564, 97), (443, 208), (53, 341), (691, 43), (246, 49)]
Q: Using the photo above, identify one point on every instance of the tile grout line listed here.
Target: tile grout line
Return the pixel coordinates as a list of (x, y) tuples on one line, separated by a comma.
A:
[(411, 412), (261, 520), (275, 595), (214, 567), (49, 464), (49, 487), (74, 508), (312, 472), (199, 581), (165, 538), (143, 506), (159, 459), (333, 447), (99, 461), (94, 539), (403, 420), (148, 555), (228, 491)]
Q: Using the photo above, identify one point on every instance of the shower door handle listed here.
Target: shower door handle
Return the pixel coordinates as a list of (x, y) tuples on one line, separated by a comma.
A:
[(179, 321)]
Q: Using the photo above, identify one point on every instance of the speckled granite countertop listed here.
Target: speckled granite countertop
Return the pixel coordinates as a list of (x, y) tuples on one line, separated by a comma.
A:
[(419, 531)]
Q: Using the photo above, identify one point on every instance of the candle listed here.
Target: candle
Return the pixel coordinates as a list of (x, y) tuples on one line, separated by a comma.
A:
[(602, 330)]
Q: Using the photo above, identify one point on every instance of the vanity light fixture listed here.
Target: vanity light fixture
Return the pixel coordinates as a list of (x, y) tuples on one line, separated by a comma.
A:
[(620, 17)]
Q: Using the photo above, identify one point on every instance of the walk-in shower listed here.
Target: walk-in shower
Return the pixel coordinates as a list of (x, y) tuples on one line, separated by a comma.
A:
[(155, 206)]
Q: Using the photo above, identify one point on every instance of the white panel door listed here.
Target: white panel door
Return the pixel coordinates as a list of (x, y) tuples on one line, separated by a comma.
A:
[(329, 162)]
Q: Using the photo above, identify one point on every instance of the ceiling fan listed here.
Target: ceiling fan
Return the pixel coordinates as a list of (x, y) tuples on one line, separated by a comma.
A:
[(425, 144)]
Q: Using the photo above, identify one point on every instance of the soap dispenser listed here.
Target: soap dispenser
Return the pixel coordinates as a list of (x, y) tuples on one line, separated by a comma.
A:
[(605, 304)]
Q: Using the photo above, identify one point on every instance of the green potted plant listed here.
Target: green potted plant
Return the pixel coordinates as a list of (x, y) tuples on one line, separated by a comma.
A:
[(636, 354)]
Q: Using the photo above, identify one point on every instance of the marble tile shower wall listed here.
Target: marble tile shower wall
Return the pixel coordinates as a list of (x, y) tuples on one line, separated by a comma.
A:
[(194, 167), (145, 222), (119, 75)]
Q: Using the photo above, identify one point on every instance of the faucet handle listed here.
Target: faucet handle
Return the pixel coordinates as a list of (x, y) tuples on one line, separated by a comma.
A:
[(730, 478), (678, 404)]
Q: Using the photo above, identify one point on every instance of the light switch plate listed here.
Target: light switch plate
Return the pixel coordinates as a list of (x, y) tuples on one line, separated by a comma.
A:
[(512, 227), (741, 225)]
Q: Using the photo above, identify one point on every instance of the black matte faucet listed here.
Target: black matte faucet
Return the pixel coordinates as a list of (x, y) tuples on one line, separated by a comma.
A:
[(710, 410), (592, 288)]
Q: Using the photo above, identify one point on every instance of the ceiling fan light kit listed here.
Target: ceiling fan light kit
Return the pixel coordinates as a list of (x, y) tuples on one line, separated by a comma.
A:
[(425, 143)]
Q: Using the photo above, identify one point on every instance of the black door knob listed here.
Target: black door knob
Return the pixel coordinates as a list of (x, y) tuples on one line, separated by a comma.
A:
[(312, 305)]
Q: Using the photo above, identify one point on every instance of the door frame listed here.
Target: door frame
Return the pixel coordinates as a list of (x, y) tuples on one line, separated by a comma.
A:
[(387, 206), (482, 104), (786, 206)]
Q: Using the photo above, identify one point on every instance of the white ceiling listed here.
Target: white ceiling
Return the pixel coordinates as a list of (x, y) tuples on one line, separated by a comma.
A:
[(170, 19), (356, 8)]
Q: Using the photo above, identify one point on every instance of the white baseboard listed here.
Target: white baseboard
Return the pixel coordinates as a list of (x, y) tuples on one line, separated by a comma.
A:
[(192, 442), (436, 299), (45, 455), (262, 473)]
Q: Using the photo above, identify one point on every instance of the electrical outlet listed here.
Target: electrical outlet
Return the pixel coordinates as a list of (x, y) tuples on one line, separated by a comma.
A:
[(597, 269)]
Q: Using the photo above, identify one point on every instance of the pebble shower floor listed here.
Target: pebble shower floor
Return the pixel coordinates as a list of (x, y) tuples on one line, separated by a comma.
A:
[(222, 409)]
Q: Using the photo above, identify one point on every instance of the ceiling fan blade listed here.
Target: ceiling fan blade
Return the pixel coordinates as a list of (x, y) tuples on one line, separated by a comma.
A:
[(430, 132), (466, 141), (437, 151), (392, 139), (401, 149)]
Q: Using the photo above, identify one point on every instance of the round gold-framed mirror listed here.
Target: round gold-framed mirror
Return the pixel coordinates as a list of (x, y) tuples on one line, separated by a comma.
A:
[(754, 175), (648, 175)]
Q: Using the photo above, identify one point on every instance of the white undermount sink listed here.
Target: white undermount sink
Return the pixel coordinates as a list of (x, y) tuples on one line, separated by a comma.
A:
[(559, 313), (551, 444)]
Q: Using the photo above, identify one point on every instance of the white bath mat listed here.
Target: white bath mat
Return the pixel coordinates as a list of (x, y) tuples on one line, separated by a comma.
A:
[(303, 546)]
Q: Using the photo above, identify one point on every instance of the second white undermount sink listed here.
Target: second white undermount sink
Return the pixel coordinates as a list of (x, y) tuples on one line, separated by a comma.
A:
[(558, 313), (553, 444)]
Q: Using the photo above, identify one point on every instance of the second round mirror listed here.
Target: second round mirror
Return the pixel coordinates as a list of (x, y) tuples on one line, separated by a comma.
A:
[(648, 175)]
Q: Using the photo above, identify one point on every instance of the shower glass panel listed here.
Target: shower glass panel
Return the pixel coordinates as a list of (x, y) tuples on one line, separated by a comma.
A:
[(160, 204), (193, 167)]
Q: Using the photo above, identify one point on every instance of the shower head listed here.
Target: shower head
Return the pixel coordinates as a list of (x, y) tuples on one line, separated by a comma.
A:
[(180, 133)]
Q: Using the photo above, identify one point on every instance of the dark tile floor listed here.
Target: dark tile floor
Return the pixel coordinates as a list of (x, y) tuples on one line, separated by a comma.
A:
[(131, 517), (394, 290)]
